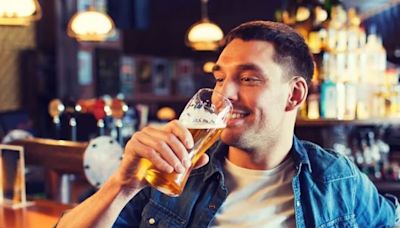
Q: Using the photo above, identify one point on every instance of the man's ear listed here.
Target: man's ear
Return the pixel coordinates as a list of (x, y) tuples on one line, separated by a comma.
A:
[(297, 94)]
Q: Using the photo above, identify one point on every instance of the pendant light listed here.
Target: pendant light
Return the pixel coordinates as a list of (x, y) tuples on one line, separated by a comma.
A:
[(19, 12), (90, 25), (204, 35)]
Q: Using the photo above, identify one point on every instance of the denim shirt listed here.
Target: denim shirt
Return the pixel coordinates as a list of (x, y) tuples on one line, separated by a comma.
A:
[(329, 191)]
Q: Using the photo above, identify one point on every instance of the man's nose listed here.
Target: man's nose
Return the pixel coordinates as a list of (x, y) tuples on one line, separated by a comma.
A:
[(230, 90)]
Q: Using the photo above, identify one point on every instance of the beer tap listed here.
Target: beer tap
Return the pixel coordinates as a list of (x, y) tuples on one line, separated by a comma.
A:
[(109, 122), (70, 108), (72, 124), (118, 109), (99, 114), (55, 109)]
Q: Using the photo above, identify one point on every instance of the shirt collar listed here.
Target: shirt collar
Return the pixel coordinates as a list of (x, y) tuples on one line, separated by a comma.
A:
[(300, 154), (218, 152)]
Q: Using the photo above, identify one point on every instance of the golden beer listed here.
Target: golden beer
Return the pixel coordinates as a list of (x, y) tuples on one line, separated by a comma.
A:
[(173, 183), (205, 116)]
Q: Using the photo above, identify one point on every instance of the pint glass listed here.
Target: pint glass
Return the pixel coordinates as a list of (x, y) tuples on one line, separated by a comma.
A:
[(205, 116)]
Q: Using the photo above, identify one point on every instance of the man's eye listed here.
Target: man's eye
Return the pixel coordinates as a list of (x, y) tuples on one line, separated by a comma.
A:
[(249, 79)]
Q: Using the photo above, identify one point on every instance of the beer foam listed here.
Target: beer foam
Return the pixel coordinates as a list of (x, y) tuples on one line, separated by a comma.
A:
[(201, 119)]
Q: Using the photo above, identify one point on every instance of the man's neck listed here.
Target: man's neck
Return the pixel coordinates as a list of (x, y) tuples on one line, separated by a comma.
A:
[(262, 159)]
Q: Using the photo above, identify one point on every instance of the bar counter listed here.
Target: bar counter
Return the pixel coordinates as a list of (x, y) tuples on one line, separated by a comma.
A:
[(42, 213), (58, 155)]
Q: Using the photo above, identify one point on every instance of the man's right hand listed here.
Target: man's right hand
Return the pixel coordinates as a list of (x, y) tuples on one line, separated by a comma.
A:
[(166, 148)]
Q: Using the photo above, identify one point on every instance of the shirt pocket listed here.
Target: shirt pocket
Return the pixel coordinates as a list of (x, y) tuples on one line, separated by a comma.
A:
[(156, 215), (347, 221)]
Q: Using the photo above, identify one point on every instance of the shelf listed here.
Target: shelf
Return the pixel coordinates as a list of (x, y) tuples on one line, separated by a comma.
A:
[(334, 122), (387, 186)]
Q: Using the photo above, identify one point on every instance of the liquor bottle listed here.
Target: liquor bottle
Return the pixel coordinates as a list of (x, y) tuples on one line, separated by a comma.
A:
[(328, 99), (313, 101)]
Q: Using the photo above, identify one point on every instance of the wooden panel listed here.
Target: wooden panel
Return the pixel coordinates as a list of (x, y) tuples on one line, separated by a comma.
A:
[(13, 39), (58, 155)]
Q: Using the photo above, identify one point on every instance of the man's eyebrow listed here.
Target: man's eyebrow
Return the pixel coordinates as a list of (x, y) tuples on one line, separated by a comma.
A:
[(242, 67), (249, 66)]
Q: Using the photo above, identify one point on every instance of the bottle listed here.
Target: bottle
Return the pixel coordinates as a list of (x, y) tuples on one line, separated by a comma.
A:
[(351, 99), (340, 100), (328, 99), (313, 101)]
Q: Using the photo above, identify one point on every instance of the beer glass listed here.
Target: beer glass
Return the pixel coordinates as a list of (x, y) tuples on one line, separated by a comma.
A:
[(205, 116)]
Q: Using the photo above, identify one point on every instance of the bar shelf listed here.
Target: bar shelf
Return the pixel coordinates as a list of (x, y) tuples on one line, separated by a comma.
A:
[(356, 122)]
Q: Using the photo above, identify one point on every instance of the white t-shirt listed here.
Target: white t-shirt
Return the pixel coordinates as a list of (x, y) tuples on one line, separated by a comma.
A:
[(257, 198)]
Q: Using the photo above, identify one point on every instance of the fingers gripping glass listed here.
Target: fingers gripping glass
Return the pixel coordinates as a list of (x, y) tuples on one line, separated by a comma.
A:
[(205, 116)]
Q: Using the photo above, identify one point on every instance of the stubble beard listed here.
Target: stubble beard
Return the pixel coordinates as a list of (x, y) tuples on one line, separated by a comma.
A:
[(251, 139)]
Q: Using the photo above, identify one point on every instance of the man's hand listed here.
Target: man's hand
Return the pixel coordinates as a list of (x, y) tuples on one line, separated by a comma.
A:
[(166, 148)]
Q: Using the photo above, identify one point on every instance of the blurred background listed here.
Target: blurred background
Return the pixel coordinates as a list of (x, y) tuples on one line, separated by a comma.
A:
[(129, 63), (41, 62)]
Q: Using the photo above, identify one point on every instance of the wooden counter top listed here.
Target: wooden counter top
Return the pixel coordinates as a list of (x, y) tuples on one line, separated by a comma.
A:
[(42, 213)]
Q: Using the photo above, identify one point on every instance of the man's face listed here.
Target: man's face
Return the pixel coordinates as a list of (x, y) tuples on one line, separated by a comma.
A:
[(246, 73)]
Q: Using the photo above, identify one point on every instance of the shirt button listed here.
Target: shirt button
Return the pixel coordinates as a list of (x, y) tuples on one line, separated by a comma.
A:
[(212, 206), (298, 203), (152, 221)]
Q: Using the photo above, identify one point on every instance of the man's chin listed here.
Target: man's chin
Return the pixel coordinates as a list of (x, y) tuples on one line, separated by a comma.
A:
[(229, 137)]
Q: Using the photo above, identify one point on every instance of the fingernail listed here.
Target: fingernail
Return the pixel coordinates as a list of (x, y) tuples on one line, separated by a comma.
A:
[(179, 168), (187, 163), (189, 144), (170, 169)]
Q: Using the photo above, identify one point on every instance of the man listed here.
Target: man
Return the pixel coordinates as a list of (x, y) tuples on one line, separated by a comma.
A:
[(261, 175)]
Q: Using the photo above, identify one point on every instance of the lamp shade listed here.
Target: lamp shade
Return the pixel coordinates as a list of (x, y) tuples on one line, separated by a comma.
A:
[(204, 36), (19, 12), (90, 25)]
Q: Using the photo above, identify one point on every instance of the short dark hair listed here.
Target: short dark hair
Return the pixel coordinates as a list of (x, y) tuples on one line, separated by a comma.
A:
[(291, 51)]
